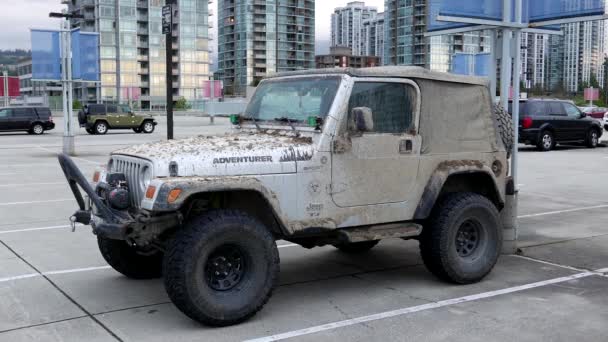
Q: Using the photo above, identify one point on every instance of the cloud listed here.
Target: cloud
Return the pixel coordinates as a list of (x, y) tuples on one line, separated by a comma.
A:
[(17, 18)]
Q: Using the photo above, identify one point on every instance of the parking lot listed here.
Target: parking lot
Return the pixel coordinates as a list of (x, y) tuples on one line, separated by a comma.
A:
[(55, 286)]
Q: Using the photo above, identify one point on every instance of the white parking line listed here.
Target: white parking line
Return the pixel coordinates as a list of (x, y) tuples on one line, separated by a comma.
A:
[(564, 211), (423, 307), (33, 229), (35, 202), (34, 275), (287, 245), (30, 184)]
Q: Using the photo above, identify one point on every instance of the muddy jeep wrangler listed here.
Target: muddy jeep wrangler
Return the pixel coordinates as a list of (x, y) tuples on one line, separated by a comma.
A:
[(323, 157)]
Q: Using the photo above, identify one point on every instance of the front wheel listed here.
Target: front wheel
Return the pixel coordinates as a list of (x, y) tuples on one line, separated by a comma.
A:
[(463, 240), (220, 268), (147, 127), (593, 138), (546, 142), (129, 261)]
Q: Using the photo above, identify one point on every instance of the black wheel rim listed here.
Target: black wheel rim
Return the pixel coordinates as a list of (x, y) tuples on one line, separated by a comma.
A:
[(468, 238), (225, 268)]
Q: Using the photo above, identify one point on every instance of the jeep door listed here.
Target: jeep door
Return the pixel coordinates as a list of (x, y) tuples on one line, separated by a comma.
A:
[(379, 166), (113, 116)]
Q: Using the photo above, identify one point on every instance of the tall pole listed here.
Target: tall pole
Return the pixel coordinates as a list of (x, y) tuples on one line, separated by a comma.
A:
[(66, 77), (169, 57), (7, 101)]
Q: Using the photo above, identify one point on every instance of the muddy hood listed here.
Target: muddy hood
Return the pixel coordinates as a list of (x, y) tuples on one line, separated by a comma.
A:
[(228, 155)]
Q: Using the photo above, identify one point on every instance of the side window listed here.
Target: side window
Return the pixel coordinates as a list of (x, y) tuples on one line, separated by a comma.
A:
[(572, 111), (22, 112), (124, 109), (43, 112), (535, 109), (556, 108), (5, 113), (392, 104), (112, 109), (97, 110)]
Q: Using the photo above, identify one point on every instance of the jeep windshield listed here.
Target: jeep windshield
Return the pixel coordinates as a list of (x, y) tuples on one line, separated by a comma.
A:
[(292, 101)]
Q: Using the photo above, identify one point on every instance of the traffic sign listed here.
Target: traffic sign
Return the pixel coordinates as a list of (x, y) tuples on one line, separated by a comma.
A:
[(167, 19)]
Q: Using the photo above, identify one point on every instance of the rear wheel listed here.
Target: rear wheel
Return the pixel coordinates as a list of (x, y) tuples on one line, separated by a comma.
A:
[(147, 127), (463, 239), (37, 129), (546, 142), (101, 128), (593, 138), (220, 269), (129, 261), (90, 131), (357, 247)]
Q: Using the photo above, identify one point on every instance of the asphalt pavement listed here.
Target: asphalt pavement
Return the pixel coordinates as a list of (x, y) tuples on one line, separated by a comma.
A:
[(55, 286)]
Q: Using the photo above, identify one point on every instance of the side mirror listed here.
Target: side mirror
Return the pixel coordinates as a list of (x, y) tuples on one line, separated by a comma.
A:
[(362, 120), (583, 115)]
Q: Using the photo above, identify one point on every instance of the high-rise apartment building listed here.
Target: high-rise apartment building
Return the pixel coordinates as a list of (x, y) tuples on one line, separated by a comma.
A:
[(405, 43), (347, 24), (132, 50), (533, 59), (257, 38), (372, 37), (577, 58)]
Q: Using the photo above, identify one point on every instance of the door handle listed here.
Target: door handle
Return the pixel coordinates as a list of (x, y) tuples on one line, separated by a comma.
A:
[(406, 146)]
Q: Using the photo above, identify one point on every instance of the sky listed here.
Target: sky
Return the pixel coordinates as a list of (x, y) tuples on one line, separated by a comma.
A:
[(18, 16)]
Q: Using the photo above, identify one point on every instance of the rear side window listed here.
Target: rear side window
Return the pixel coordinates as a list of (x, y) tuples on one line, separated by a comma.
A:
[(23, 112), (112, 109), (43, 112), (556, 108), (97, 109), (534, 109)]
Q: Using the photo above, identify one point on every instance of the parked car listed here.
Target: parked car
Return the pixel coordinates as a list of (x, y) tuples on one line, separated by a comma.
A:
[(34, 120), (545, 123), (99, 118), (606, 121), (595, 112)]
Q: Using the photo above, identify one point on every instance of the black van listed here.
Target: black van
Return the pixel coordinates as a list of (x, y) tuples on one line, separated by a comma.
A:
[(34, 120)]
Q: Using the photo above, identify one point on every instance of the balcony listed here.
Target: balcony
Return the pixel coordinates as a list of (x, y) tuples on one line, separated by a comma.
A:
[(144, 84), (142, 31), (175, 59), (142, 58), (143, 71)]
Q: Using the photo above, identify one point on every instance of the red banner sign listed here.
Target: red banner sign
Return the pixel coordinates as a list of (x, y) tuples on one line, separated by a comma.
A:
[(13, 86), (592, 94)]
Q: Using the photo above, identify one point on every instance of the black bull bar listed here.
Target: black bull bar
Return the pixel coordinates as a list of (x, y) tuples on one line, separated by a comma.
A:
[(113, 224)]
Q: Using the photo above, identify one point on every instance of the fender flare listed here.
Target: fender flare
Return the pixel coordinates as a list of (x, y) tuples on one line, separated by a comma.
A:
[(441, 175)]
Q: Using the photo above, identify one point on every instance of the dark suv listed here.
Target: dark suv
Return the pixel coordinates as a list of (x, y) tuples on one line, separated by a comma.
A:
[(545, 123), (34, 120), (99, 118)]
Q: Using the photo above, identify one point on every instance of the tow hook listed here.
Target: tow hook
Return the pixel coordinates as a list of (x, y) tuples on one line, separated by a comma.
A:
[(80, 216)]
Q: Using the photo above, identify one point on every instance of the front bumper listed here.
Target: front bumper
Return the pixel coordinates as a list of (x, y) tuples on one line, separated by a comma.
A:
[(137, 227)]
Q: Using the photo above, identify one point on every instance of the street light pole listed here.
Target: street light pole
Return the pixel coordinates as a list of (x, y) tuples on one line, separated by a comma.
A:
[(168, 31)]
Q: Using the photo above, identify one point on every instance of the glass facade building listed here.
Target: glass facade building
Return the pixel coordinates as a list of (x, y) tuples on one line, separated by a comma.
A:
[(132, 50), (347, 25), (405, 44), (257, 38)]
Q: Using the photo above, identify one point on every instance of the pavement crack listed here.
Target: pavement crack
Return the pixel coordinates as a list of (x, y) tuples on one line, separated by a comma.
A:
[(88, 314)]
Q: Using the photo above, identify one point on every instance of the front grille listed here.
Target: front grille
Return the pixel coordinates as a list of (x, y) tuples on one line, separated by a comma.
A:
[(133, 169)]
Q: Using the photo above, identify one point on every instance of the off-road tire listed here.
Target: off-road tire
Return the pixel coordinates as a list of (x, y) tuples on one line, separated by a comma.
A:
[(542, 144), (126, 260), (82, 117), (191, 269), (357, 247), (147, 127), (101, 127), (36, 129), (440, 238), (593, 138), (505, 127)]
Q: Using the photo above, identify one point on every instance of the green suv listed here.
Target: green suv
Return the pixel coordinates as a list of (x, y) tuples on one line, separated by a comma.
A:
[(99, 118)]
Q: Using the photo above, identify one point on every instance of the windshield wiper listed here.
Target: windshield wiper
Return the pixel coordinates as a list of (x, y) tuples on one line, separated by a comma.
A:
[(289, 122), (251, 118)]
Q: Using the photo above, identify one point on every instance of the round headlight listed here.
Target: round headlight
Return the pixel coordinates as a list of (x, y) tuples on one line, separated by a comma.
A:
[(146, 177)]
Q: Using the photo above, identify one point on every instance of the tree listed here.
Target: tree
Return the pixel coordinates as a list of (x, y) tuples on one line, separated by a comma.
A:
[(182, 104), (76, 104), (593, 82)]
